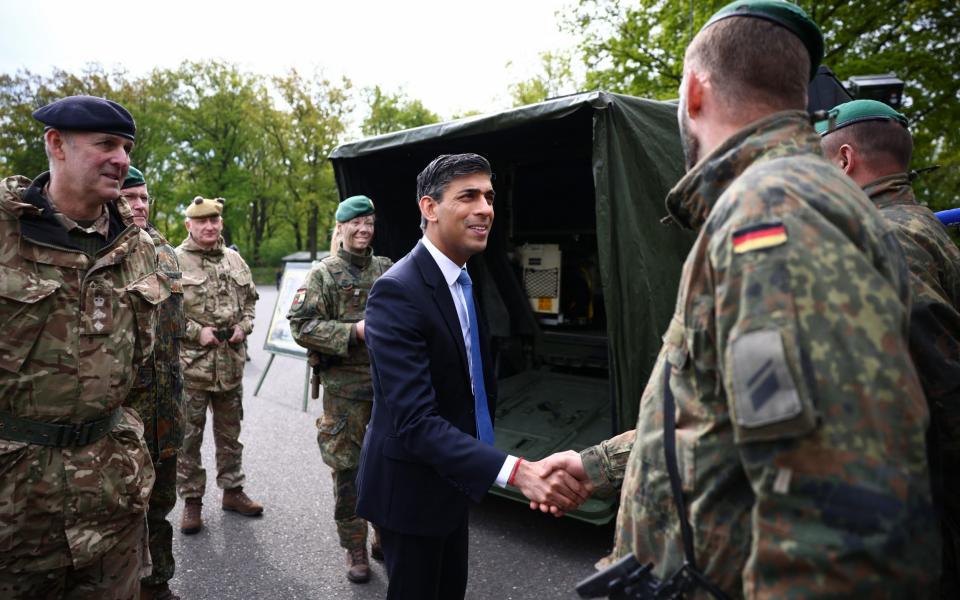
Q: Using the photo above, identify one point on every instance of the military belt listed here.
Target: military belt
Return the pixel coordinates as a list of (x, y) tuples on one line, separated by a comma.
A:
[(67, 435)]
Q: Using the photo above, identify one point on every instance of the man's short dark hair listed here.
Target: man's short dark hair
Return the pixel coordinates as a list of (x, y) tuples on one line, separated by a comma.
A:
[(434, 179), (879, 143), (751, 63)]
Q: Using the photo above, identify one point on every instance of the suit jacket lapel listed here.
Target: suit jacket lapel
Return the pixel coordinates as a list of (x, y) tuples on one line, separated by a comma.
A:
[(441, 295)]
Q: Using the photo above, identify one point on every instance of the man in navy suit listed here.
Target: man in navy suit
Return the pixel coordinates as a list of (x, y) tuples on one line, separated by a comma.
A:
[(429, 446)]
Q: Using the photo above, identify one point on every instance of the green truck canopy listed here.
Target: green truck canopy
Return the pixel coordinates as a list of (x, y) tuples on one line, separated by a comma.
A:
[(592, 168)]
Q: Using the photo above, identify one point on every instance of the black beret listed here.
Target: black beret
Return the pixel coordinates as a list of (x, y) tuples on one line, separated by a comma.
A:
[(87, 113)]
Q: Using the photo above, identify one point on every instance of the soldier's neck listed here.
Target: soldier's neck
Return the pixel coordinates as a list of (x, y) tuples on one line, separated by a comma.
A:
[(64, 200), (361, 259)]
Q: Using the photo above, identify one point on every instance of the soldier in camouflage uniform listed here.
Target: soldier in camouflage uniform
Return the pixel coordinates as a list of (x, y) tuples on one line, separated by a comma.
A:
[(327, 319), (78, 296), (784, 386), (870, 142), (218, 303), (157, 396)]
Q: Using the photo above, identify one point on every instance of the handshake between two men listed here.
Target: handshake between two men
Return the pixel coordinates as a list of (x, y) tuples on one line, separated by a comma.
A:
[(556, 484)]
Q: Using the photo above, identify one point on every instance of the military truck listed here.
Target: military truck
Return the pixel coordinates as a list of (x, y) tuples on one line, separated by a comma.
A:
[(579, 278)]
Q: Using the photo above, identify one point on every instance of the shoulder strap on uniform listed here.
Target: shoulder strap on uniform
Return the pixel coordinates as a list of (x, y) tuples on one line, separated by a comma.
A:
[(670, 455), (689, 575)]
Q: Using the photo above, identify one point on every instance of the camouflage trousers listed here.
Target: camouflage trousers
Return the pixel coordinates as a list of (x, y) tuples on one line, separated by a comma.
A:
[(227, 409), (340, 436), (162, 500), (113, 576)]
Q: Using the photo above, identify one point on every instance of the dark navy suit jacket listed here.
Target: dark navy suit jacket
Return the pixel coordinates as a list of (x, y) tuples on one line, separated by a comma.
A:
[(421, 460)]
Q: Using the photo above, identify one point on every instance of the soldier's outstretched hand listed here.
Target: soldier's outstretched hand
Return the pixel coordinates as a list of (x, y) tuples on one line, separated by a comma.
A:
[(568, 462), (550, 487)]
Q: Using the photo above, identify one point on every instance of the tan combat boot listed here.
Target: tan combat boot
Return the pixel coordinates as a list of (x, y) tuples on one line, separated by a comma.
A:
[(376, 549), (358, 566), (239, 502), (190, 521)]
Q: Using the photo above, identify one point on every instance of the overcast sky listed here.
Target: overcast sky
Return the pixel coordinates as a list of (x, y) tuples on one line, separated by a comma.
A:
[(452, 55)]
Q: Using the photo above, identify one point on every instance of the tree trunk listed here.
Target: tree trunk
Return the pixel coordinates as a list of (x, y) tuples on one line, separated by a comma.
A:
[(312, 231)]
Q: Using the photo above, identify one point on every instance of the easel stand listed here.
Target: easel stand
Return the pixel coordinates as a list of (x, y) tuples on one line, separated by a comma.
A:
[(306, 383)]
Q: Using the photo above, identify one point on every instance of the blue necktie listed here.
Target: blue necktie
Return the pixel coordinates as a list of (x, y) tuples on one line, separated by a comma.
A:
[(484, 426)]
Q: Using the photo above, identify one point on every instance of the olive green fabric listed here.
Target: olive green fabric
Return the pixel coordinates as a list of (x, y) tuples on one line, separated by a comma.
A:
[(635, 158)]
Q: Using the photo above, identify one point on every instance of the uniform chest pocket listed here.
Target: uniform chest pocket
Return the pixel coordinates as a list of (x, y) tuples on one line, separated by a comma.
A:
[(145, 295), (353, 301), (25, 303), (194, 294), (242, 278)]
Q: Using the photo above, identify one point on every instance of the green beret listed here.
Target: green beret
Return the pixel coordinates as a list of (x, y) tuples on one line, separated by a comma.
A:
[(134, 178), (858, 111), (783, 13), (353, 207), (205, 207), (87, 113)]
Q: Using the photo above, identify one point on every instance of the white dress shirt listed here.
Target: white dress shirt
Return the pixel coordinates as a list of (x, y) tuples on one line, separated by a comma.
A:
[(451, 271)]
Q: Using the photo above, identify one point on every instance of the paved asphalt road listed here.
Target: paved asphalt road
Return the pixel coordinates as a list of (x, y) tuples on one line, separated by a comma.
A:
[(291, 552)]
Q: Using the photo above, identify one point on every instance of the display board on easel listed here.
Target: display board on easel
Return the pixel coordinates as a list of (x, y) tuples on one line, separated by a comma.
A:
[(279, 339)]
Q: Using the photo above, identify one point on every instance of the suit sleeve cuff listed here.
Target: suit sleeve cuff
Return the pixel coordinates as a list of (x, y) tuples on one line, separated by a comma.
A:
[(504, 475)]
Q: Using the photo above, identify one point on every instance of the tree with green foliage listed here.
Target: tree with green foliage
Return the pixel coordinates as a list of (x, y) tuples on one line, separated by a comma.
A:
[(208, 129), (555, 79), (394, 112), (637, 48), (303, 139)]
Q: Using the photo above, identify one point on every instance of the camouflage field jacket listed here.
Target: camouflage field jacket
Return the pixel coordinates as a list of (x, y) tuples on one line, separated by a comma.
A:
[(218, 292), (333, 298), (934, 262), (800, 420), (75, 330), (157, 395)]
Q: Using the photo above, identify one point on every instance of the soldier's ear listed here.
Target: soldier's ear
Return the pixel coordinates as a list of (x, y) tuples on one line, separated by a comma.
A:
[(847, 159), (692, 87), (54, 141)]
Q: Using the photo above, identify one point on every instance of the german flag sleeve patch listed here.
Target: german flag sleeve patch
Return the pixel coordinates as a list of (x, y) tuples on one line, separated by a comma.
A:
[(758, 237)]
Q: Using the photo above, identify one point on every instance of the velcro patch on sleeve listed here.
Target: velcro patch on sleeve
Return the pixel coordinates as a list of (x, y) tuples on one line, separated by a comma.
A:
[(764, 390), (298, 298), (758, 237)]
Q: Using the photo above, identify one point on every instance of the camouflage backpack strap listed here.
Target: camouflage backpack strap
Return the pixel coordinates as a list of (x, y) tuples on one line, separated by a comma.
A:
[(689, 577)]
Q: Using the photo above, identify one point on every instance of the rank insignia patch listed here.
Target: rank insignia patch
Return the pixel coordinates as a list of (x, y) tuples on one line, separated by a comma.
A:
[(758, 237)]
